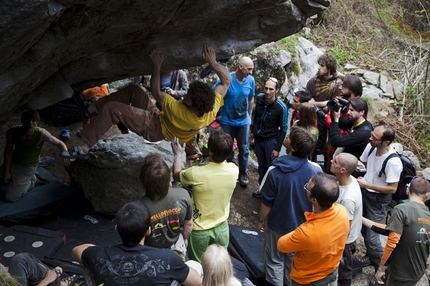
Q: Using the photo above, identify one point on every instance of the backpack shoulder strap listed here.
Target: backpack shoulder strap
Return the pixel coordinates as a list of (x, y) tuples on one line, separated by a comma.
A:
[(384, 164), (370, 151)]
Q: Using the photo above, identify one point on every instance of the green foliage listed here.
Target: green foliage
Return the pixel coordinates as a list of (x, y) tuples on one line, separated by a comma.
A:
[(311, 37), (391, 36), (288, 44), (422, 133), (252, 154)]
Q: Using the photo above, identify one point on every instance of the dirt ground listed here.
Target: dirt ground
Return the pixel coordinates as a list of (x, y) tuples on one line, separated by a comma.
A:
[(244, 208)]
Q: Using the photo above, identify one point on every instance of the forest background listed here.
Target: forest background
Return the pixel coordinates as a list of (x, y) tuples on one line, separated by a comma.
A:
[(385, 36)]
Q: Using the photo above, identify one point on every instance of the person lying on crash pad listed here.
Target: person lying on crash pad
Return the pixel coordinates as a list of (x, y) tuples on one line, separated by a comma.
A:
[(26, 269)]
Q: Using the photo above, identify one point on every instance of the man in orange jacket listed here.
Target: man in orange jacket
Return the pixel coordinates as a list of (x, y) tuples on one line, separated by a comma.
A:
[(318, 243)]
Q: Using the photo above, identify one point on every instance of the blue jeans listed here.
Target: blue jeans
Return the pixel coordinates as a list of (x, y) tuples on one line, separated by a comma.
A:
[(263, 149), (241, 133)]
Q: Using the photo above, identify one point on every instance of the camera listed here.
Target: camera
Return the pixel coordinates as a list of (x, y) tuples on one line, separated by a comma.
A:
[(341, 103), (164, 89), (361, 169)]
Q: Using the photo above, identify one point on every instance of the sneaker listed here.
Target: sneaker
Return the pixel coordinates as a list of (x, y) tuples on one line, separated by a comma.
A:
[(256, 194), (243, 180), (365, 261), (89, 109)]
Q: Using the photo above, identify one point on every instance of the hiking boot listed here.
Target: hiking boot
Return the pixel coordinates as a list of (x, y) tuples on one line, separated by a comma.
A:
[(243, 180), (365, 261), (256, 194)]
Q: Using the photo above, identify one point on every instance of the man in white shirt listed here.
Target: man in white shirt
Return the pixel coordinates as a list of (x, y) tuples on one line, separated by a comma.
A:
[(377, 187)]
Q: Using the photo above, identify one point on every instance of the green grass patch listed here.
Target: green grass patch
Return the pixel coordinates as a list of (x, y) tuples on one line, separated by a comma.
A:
[(288, 44)]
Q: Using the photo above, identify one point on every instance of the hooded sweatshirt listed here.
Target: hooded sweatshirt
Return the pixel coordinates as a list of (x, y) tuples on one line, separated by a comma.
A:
[(282, 190)]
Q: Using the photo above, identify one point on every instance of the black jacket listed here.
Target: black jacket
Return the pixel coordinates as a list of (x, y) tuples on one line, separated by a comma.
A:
[(270, 120), (355, 142)]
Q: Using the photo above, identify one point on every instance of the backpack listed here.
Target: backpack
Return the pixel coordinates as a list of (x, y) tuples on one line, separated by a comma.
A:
[(405, 176)]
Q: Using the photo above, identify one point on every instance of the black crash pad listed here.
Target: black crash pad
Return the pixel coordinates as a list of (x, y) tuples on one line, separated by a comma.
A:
[(247, 246), (37, 241), (38, 202), (83, 225)]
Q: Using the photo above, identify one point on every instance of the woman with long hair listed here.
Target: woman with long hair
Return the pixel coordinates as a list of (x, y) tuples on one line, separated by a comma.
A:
[(217, 267), (308, 118)]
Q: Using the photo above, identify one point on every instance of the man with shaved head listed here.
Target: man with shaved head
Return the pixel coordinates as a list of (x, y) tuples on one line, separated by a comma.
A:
[(236, 113), (342, 166)]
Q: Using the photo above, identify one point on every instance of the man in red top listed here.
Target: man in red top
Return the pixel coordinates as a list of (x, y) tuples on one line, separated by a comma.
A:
[(318, 243)]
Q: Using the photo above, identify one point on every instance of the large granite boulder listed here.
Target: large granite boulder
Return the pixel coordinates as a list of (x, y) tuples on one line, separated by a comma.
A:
[(110, 177), (51, 47)]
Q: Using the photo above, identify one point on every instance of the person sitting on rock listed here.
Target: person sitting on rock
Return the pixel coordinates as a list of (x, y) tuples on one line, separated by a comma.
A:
[(22, 153), (171, 209), (132, 107)]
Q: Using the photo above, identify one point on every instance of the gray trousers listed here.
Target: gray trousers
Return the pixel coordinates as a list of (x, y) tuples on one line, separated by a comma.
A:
[(22, 180), (375, 208), (28, 270), (277, 265)]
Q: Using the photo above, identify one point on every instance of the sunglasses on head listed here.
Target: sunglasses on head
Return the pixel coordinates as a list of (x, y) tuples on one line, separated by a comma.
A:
[(413, 178)]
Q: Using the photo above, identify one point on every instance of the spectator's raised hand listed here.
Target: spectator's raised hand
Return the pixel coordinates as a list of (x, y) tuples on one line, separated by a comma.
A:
[(177, 148)]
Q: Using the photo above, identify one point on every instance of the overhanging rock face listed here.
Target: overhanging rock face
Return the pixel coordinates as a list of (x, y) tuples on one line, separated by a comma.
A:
[(50, 48)]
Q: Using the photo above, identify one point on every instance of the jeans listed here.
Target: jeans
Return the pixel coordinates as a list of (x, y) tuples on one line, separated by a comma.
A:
[(241, 133), (263, 150), (345, 265)]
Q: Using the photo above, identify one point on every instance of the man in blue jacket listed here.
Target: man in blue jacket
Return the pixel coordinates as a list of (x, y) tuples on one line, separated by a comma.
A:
[(269, 127), (284, 201)]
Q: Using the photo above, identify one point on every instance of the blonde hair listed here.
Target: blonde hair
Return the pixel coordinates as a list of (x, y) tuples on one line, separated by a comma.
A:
[(7, 280), (217, 267)]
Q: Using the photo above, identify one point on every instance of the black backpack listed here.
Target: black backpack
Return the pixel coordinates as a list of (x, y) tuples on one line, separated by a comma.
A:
[(405, 176)]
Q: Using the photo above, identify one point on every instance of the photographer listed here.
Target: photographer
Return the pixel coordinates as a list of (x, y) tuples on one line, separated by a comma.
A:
[(358, 128), (350, 87)]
